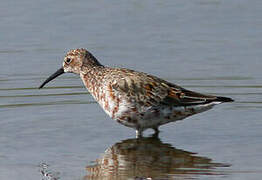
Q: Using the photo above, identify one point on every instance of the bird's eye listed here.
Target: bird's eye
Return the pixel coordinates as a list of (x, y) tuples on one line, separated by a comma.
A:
[(68, 60)]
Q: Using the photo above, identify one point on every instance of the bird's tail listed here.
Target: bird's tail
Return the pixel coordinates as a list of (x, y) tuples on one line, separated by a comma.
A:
[(223, 99)]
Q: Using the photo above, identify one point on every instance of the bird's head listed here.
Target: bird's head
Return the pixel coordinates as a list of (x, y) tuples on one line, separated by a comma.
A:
[(74, 61)]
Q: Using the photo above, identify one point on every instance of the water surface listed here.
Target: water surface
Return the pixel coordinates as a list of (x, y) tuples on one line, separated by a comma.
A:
[(60, 131)]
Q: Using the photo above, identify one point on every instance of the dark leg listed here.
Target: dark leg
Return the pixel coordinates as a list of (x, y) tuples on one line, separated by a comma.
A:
[(156, 133)]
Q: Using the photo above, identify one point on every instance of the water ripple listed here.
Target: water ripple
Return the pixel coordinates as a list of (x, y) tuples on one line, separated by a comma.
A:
[(40, 95), (46, 103)]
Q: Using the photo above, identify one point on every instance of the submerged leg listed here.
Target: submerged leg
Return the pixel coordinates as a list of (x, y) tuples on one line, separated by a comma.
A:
[(139, 133), (156, 131)]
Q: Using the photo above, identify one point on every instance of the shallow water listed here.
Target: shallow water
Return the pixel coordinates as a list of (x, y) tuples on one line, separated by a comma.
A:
[(60, 131)]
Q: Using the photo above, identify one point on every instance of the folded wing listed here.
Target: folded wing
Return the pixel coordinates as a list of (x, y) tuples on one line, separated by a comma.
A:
[(149, 90)]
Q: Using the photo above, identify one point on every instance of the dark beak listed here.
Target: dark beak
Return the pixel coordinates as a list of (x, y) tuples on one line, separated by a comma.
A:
[(53, 76)]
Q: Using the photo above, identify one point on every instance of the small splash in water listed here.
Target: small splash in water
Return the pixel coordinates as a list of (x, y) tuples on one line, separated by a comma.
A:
[(48, 174)]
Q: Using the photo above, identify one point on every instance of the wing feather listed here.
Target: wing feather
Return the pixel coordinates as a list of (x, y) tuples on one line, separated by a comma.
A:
[(149, 90)]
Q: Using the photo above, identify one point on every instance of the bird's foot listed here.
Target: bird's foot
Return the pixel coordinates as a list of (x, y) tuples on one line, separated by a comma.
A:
[(139, 133)]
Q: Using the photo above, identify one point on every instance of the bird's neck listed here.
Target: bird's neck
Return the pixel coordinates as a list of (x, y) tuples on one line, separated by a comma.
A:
[(92, 77)]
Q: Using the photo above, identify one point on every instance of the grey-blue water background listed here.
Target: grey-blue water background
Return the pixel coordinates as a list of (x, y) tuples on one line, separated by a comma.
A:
[(210, 46)]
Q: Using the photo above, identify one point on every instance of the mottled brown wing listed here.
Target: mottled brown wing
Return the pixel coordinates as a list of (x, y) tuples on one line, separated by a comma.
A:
[(186, 97), (149, 90)]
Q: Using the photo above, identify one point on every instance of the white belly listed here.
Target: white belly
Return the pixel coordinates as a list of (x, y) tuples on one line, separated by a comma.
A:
[(155, 116)]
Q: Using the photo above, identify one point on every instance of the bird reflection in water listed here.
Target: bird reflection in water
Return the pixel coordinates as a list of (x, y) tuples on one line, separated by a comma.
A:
[(150, 158)]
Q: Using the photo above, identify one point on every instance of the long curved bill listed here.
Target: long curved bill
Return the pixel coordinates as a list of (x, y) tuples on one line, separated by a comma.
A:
[(53, 76)]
